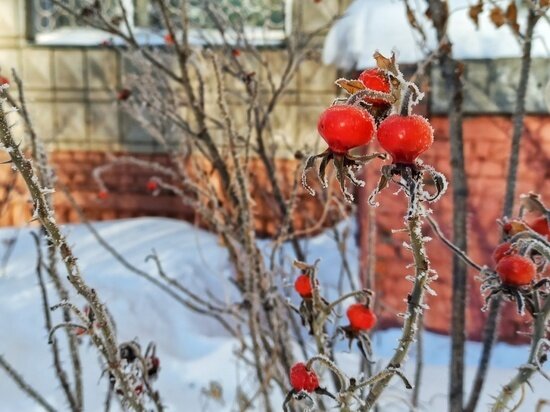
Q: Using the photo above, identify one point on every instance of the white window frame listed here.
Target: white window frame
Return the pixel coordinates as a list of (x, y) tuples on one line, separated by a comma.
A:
[(90, 37)]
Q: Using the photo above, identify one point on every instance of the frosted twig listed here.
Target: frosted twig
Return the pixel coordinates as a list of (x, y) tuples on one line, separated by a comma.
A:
[(108, 346), (24, 386)]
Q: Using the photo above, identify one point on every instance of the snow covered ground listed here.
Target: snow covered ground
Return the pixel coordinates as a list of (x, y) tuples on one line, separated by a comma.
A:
[(193, 350)]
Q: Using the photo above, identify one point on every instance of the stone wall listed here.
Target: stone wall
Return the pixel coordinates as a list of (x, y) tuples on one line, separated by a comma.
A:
[(71, 91)]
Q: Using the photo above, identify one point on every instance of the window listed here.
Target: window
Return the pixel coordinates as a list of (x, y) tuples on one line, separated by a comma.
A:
[(264, 21)]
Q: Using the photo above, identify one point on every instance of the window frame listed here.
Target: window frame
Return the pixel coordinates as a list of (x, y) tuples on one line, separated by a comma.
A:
[(92, 37)]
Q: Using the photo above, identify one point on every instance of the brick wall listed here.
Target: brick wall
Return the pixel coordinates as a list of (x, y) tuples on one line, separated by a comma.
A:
[(129, 197), (487, 141)]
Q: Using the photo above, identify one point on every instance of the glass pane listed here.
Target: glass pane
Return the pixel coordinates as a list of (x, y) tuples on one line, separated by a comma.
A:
[(48, 16), (267, 14)]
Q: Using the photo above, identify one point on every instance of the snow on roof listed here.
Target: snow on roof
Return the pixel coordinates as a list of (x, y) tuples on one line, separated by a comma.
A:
[(370, 25)]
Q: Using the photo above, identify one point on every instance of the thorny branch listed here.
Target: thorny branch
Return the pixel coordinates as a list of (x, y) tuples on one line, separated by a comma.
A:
[(46, 178), (414, 307), (24, 386), (490, 330), (452, 74), (106, 342)]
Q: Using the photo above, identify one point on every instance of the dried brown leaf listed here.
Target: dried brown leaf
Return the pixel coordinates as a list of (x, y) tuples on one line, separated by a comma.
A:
[(475, 11), (532, 202), (512, 16), (413, 22), (512, 11), (428, 13), (350, 86), (497, 16), (384, 63)]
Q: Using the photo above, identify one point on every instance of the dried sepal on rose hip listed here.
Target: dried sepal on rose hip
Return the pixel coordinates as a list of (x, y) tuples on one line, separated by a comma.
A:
[(512, 227), (152, 362)]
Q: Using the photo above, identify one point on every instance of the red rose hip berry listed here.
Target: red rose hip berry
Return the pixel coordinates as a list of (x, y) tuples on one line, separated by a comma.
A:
[(152, 185), (123, 94), (302, 285), (405, 137), (504, 249), (102, 194), (516, 270), (169, 39), (345, 127), (541, 226), (375, 79), (360, 317), (303, 379)]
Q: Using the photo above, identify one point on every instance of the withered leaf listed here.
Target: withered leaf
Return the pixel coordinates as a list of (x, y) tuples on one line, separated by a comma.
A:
[(350, 86), (384, 63), (413, 22), (428, 13), (532, 203), (497, 16), (512, 16), (475, 11), (512, 11)]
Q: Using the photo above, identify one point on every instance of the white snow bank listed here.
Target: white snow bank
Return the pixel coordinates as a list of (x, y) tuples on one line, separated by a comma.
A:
[(194, 351), (370, 25)]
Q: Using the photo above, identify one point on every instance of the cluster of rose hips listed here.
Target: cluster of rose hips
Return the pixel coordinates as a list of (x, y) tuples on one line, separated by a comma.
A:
[(517, 267), (360, 316), (379, 105), (345, 127), (361, 319)]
